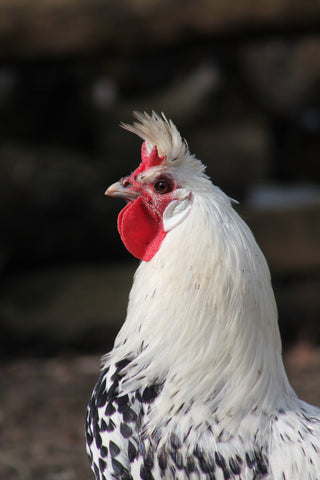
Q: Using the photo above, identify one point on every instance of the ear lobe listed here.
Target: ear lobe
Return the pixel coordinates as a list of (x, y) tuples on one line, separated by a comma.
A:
[(177, 210)]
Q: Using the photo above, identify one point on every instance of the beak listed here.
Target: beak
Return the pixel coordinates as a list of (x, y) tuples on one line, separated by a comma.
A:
[(119, 191)]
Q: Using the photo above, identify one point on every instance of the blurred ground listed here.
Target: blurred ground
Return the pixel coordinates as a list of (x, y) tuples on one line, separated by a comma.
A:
[(43, 403)]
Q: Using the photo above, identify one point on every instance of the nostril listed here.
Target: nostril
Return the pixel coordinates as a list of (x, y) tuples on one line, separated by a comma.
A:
[(125, 183)]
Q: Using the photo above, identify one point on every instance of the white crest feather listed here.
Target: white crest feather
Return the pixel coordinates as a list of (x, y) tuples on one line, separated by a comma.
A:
[(158, 130)]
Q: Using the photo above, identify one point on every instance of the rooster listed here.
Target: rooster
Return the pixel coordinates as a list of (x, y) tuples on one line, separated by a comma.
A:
[(195, 386)]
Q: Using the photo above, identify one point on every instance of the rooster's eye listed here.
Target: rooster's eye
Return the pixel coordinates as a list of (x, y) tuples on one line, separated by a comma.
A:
[(162, 186)]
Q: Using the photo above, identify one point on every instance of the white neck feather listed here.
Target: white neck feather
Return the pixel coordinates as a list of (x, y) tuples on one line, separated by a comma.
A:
[(202, 316)]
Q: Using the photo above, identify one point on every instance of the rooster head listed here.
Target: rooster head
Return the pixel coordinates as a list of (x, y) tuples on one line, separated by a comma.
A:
[(159, 193)]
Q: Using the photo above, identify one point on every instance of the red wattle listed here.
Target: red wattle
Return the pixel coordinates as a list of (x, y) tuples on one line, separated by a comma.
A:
[(141, 231)]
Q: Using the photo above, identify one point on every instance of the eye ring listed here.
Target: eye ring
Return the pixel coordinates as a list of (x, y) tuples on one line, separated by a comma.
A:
[(162, 186)]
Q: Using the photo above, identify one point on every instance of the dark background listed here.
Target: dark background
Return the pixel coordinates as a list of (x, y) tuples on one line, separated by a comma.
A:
[(241, 82)]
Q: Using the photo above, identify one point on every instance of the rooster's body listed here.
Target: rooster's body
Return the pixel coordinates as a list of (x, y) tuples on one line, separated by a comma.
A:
[(195, 386)]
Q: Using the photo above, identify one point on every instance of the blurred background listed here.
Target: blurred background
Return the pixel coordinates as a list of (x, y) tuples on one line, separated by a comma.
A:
[(241, 80)]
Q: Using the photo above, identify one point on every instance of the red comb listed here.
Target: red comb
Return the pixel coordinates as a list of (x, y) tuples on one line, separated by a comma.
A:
[(149, 160)]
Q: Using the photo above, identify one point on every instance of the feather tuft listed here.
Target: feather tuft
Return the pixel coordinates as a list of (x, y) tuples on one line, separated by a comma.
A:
[(157, 131)]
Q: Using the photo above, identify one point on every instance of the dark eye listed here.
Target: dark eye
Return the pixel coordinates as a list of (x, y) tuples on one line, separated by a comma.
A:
[(162, 186)]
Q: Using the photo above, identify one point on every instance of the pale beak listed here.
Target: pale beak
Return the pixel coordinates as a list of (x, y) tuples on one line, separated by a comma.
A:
[(119, 191)]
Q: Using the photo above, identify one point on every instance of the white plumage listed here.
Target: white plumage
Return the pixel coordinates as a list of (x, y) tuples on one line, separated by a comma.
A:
[(200, 352)]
